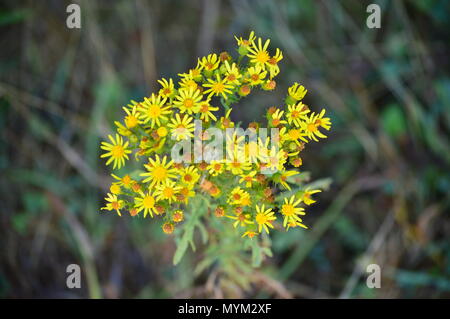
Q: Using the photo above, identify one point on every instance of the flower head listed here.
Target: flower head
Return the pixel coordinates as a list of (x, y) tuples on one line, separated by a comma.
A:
[(205, 110), (188, 100), (290, 210), (168, 88), (159, 171), (178, 216), (264, 218), (297, 91), (153, 111), (146, 202), (218, 87), (307, 196), (117, 151), (113, 203), (245, 182), (232, 74), (167, 191), (256, 75), (241, 219), (181, 127), (258, 53), (210, 62)]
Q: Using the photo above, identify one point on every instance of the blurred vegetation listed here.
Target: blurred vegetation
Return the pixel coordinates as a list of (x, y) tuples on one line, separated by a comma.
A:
[(388, 155)]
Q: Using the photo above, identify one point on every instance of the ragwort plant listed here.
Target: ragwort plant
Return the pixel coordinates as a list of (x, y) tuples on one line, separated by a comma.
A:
[(235, 200)]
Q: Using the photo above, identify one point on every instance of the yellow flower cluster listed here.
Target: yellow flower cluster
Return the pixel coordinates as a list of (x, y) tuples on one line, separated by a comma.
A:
[(240, 187)]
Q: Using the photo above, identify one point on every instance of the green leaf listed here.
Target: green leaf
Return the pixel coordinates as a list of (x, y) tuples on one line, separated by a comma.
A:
[(256, 253), (14, 16), (393, 120), (181, 250), (198, 208)]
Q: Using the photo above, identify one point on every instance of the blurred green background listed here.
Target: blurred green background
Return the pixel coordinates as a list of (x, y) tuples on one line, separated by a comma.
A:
[(387, 91)]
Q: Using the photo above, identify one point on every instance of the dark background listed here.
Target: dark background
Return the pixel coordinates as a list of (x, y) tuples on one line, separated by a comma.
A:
[(387, 91)]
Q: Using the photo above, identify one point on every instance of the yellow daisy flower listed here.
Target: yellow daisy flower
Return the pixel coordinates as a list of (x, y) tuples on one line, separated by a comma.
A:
[(189, 175), (113, 203), (236, 196), (218, 87), (275, 159), (276, 118), (132, 118), (168, 228), (206, 110), (159, 171), (168, 88), (225, 121), (258, 53), (117, 151), (115, 189), (324, 122), (125, 181), (290, 210), (284, 178), (237, 164), (241, 219), (312, 124), (297, 113), (264, 218), (146, 202), (256, 75), (296, 135), (246, 42), (307, 196), (188, 100), (248, 179), (232, 74), (167, 191), (297, 91), (188, 84), (210, 62), (272, 64), (216, 168), (153, 110), (181, 127)]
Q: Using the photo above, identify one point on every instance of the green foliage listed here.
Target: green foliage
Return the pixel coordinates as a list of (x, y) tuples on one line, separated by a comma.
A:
[(13, 16), (393, 121), (198, 208)]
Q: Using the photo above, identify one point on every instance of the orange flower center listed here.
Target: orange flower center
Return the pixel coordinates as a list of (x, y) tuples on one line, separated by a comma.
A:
[(188, 103), (117, 151)]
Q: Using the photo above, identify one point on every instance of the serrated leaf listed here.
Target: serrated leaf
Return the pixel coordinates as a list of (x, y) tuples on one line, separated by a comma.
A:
[(256, 254), (198, 209), (181, 250)]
